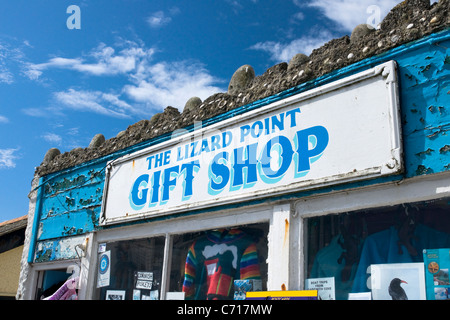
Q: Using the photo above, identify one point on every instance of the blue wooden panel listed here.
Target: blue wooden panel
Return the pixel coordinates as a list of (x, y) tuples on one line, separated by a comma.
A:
[(71, 202), (425, 101), (58, 249)]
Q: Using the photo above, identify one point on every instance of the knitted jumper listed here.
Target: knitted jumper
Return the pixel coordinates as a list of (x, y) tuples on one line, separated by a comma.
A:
[(215, 260)]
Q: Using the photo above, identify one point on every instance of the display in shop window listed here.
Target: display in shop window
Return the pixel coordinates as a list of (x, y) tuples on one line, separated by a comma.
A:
[(115, 295), (215, 260), (174, 295), (345, 246), (398, 281), (437, 266), (144, 280), (324, 286), (134, 267), (241, 287)]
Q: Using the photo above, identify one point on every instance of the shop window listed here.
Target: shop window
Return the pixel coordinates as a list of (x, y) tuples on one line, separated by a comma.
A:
[(130, 270), (206, 265), (359, 251), (52, 281)]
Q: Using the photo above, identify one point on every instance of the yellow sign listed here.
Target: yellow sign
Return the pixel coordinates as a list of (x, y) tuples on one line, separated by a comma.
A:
[(282, 295)]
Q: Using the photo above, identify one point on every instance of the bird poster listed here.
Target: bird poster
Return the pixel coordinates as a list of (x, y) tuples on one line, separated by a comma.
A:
[(398, 281)]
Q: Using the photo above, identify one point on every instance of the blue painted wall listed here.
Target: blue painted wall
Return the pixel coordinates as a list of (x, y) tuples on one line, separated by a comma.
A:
[(70, 201), (425, 102), (69, 205)]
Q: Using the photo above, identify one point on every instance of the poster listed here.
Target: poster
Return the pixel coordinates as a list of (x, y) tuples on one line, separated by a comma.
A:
[(437, 265), (104, 267), (241, 287), (115, 295), (136, 294), (398, 281), (324, 286)]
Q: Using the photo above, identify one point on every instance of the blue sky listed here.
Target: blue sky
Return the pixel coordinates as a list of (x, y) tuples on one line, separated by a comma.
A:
[(130, 59)]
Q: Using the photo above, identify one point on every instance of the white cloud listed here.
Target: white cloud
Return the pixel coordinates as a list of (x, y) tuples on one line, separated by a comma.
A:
[(283, 52), (39, 112), (236, 5), (73, 131), (95, 101), (163, 84), (52, 138), (7, 158), (299, 16), (151, 85), (31, 72), (3, 119), (9, 56), (6, 76), (102, 61), (158, 19), (347, 14)]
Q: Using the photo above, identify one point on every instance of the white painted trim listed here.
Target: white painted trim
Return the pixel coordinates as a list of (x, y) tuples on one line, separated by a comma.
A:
[(416, 189), (278, 242), (185, 224), (279, 249), (33, 275), (167, 264)]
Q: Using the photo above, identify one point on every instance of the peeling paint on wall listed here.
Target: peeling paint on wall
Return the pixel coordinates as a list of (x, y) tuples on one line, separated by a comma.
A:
[(425, 106), (71, 203), (286, 232), (58, 249)]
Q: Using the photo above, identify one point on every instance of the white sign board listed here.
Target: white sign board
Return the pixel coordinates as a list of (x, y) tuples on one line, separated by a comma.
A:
[(343, 131)]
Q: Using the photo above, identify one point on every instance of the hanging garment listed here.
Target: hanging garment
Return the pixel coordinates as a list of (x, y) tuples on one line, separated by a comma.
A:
[(66, 292), (383, 247), (214, 261), (326, 264)]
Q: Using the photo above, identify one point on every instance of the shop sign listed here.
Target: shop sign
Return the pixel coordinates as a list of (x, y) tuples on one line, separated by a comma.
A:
[(343, 131)]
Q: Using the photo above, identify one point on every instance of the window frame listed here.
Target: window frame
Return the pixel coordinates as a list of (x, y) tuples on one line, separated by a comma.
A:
[(275, 215), (422, 188)]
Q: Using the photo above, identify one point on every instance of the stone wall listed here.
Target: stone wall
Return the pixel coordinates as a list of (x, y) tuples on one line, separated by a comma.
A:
[(408, 21)]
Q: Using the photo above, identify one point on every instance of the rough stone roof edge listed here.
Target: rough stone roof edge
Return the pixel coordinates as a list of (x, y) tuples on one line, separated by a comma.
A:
[(410, 20)]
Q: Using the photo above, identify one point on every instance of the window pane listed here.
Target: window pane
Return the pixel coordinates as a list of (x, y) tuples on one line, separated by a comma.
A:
[(206, 264), (135, 270), (51, 282), (343, 246)]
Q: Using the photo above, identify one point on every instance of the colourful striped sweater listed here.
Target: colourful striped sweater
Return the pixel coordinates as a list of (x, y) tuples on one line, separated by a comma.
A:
[(214, 261)]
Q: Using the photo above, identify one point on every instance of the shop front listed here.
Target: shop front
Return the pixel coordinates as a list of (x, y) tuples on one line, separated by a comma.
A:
[(338, 187)]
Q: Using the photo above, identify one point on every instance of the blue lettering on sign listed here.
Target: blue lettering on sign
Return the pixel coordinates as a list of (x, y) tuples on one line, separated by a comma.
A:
[(160, 189), (306, 155), (218, 173), (138, 195), (285, 153), (236, 169)]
